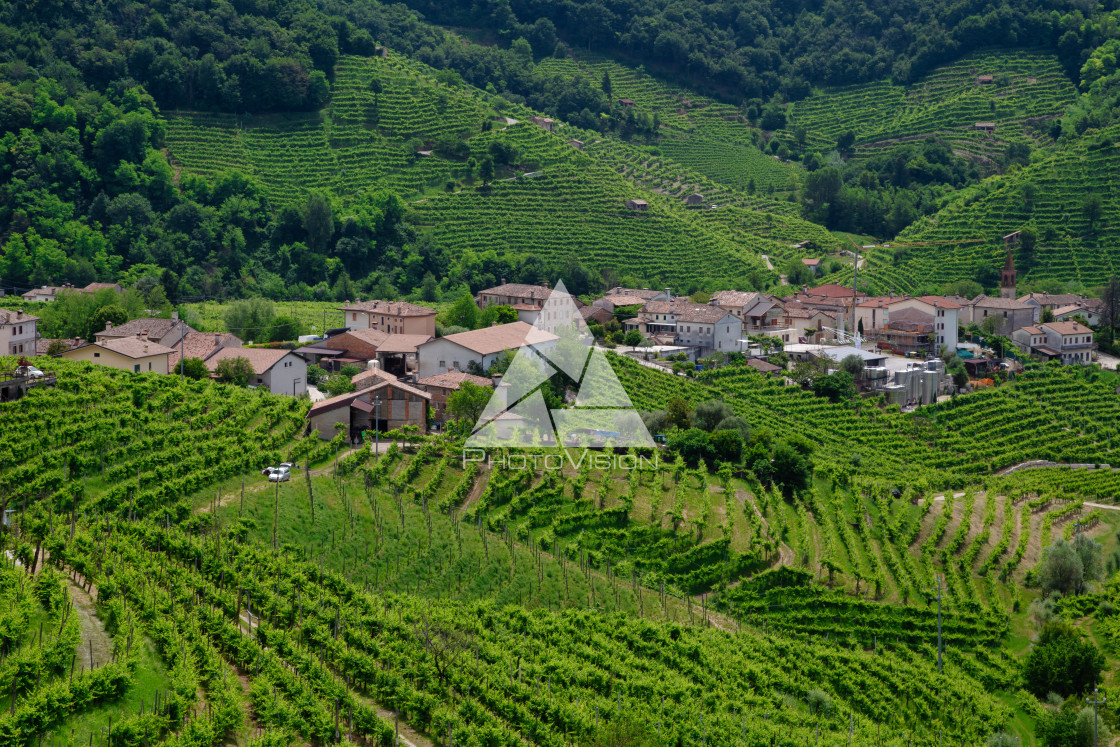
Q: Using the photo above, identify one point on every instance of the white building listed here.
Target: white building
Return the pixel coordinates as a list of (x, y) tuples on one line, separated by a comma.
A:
[(279, 371), (483, 347), (17, 333), (935, 317), (1069, 342)]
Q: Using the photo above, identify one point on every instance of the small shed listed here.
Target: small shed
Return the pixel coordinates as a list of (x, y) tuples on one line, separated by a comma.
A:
[(626, 102), (985, 126), (381, 51), (984, 80), (577, 144), (1011, 239), (545, 123), (694, 199), (424, 153), (637, 205)]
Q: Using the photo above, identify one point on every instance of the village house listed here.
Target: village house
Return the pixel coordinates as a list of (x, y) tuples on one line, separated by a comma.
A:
[(165, 332), (136, 354), (639, 205), (514, 294), (921, 324), (694, 200), (45, 293), (201, 345), (984, 79), (1069, 342), (577, 144), (98, 287), (1069, 313), (279, 371), (18, 332), (480, 347), (759, 312), (385, 406), (1054, 301), (440, 386), (1012, 314), (706, 327), (545, 123), (390, 317), (371, 377)]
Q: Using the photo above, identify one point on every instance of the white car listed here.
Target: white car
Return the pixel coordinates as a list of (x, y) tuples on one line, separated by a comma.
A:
[(31, 372), (290, 466), (279, 475)]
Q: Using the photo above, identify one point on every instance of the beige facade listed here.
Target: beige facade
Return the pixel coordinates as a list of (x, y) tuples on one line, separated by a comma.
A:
[(17, 333), (154, 362)]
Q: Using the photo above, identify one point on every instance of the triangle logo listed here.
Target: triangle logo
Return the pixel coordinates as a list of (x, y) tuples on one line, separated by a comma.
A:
[(517, 414)]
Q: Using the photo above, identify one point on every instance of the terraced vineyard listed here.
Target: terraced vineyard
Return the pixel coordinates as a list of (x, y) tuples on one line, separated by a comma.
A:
[(356, 143), (1028, 89), (581, 214), (1049, 196), (412, 592)]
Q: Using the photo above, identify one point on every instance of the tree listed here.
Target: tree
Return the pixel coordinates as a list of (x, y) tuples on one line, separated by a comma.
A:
[(1111, 297), (318, 220), (1093, 209), (633, 338), (789, 468), (853, 364), (621, 733), (693, 445), (805, 373), (237, 371), (820, 704), (249, 319), (1066, 566), (57, 347), (677, 412), (1047, 315), (990, 325), (710, 414), (468, 401), (726, 445), (496, 314), (835, 386), (100, 318), (486, 170), (463, 313), (283, 329), (340, 383), (1062, 662), (193, 368), (608, 89)]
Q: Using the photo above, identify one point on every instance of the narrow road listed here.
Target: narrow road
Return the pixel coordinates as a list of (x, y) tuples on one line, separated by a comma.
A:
[(94, 637)]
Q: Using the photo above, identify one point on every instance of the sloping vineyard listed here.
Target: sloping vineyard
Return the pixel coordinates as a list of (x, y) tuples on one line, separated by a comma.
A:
[(1074, 243), (1027, 89)]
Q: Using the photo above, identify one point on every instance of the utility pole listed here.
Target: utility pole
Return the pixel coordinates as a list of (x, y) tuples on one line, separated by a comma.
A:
[(1077, 527), (939, 589), (1096, 701)]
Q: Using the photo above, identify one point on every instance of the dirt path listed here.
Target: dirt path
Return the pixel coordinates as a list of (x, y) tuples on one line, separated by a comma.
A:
[(476, 490), (786, 555), (94, 637)]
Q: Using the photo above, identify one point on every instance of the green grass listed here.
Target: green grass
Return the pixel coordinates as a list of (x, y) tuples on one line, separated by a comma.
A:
[(149, 678)]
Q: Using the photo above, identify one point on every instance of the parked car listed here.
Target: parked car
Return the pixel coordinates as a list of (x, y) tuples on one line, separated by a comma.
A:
[(267, 471), (280, 475), (290, 466), (31, 372)]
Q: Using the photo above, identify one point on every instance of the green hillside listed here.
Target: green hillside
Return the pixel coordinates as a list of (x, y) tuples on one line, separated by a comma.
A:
[(1068, 198), (1028, 89)]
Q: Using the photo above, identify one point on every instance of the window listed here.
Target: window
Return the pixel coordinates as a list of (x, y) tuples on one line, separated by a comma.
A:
[(260, 380), (149, 365), (354, 317), (136, 368), (455, 363), (443, 364), (97, 355)]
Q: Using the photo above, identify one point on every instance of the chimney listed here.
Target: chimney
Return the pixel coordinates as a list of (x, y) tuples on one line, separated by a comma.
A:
[(19, 315), (108, 326), (669, 295), (503, 281), (217, 339), (545, 284), (495, 379), (174, 316), (141, 335)]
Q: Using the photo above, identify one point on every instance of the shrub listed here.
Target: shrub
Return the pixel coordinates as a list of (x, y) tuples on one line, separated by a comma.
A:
[(1062, 662)]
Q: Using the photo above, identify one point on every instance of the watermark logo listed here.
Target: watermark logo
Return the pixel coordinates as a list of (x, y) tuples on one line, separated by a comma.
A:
[(518, 415)]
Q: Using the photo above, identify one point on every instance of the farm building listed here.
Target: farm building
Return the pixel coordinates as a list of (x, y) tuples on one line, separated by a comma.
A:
[(694, 199), (626, 102), (18, 333), (384, 407), (545, 123), (813, 264), (637, 205), (988, 127), (163, 331), (1011, 239), (577, 144), (984, 79), (391, 317)]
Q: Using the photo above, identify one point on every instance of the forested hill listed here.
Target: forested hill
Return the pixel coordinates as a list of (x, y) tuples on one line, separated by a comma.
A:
[(320, 148), (756, 48)]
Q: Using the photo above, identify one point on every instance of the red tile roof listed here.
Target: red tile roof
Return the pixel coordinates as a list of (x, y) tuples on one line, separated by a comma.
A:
[(15, 317), (495, 339), (134, 347), (519, 290), (452, 380), (831, 290), (389, 308), (262, 359), (202, 345), (402, 343)]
